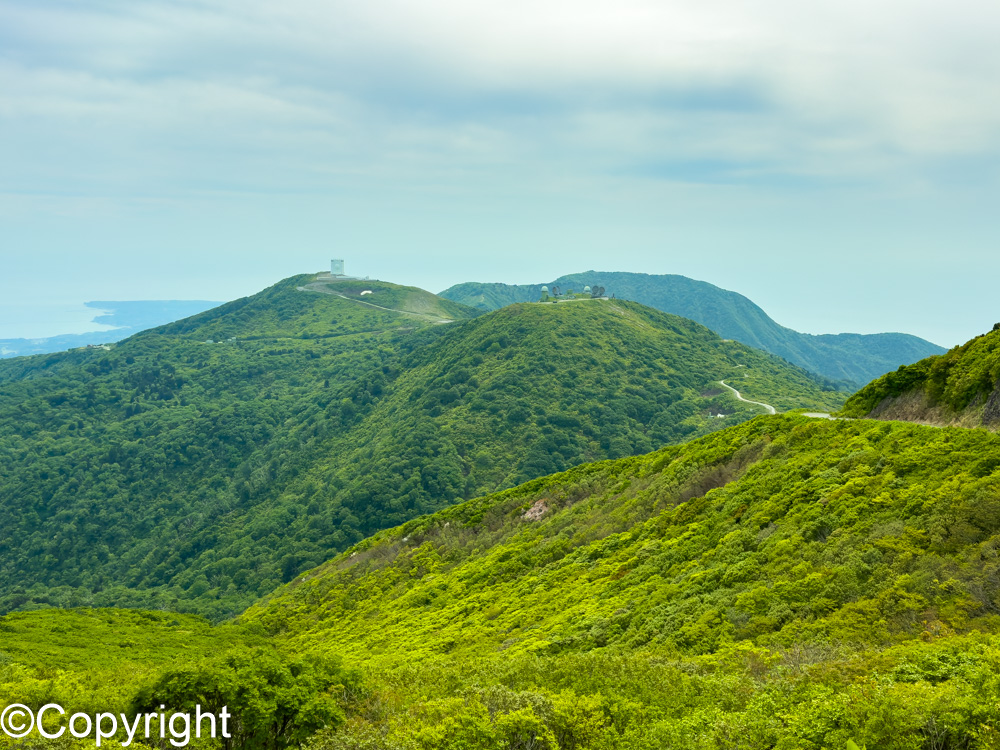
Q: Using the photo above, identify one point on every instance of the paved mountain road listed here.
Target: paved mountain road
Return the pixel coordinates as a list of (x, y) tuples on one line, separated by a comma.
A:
[(770, 409)]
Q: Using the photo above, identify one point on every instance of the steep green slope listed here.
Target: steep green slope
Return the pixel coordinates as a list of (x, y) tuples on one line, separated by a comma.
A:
[(199, 465), (791, 583), (550, 386), (779, 531), (852, 357), (961, 387)]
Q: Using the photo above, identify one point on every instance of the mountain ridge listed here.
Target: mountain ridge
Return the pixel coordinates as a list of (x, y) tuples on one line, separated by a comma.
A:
[(487, 550), (857, 358), (796, 583), (204, 462)]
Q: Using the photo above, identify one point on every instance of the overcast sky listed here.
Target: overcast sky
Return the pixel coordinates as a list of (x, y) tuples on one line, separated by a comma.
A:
[(836, 162)]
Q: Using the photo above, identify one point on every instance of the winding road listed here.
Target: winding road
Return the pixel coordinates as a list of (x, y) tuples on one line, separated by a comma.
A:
[(770, 409)]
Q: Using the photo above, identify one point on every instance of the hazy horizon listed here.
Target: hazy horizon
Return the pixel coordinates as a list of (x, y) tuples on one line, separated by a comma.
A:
[(836, 163), (78, 318)]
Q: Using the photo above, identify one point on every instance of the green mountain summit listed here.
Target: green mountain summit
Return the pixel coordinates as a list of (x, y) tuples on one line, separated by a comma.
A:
[(851, 357), (200, 464)]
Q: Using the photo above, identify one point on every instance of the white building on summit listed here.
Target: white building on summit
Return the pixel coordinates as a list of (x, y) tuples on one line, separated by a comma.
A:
[(337, 273)]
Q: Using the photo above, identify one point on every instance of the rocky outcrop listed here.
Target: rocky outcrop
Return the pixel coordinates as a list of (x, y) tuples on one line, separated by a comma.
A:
[(991, 411), (916, 406)]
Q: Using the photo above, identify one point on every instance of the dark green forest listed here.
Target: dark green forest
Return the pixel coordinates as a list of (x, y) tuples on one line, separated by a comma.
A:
[(850, 357), (198, 465)]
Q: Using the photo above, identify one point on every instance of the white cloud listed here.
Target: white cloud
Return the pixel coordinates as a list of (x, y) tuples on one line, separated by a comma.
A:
[(304, 89)]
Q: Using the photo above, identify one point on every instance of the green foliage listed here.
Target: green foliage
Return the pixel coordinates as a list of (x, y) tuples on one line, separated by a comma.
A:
[(175, 473), (780, 531), (131, 662), (854, 358), (612, 699), (86, 639), (940, 692), (788, 583), (783, 584), (960, 386), (96, 660), (275, 702)]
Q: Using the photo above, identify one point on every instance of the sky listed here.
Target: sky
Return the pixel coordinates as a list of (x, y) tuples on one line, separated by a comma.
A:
[(836, 162)]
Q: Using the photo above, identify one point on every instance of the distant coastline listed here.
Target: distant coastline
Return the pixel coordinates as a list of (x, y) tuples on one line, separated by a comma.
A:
[(103, 322)]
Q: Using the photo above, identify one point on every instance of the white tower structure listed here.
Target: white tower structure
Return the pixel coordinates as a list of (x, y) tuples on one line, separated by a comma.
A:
[(337, 267)]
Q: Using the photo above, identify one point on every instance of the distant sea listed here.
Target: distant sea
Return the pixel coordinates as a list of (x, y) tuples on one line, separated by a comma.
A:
[(43, 320), (40, 328)]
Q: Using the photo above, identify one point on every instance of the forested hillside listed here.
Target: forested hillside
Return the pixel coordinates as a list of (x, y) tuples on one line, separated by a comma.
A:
[(794, 583), (782, 530), (785, 583), (961, 387), (198, 465), (852, 357)]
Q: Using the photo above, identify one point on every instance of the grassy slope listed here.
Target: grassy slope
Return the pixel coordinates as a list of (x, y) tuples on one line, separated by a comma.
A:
[(962, 386), (126, 663), (54, 640), (787, 583), (95, 660), (780, 531), (171, 472), (851, 357), (285, 311)]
